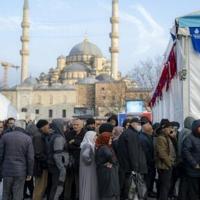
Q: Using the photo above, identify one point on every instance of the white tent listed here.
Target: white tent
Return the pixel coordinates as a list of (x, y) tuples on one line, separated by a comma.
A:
[(178, 96), (6, 109)]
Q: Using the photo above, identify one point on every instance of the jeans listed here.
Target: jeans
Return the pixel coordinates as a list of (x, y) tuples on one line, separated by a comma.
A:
[(13, 186)]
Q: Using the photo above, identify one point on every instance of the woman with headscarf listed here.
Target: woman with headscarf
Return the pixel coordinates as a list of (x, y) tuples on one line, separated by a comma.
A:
[(107, 168), (88, 177), (117, 131)]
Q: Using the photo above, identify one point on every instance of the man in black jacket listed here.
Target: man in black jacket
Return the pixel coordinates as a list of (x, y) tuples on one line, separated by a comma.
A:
[(146, 139), (40, 139), (191, 160), (131, 155), (74, 139)]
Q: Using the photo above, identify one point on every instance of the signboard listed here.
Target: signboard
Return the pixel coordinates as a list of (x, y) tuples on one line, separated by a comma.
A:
[(135, 106), (121, 118)]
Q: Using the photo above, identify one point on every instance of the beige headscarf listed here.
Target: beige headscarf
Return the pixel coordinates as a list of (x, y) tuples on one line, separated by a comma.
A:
[(117, 131)]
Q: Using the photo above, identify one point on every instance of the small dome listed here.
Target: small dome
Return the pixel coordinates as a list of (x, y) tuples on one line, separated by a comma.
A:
[(104, 78), (61, 57), (86, 48), (30, 81), (76, 67), (88, 80)]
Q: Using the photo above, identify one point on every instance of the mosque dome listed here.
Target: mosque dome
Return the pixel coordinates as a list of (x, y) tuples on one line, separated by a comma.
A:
[(86, 48), (104, 78), (30, 81), (76, 67)]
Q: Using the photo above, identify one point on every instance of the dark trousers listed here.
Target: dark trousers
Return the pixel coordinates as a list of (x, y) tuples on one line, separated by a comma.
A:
[(124, 180), (15, 186), (150, 179), (30, 187), (71, 191), (176, 174), (194, 188), (183, 189), (164, 183), (57, 184)]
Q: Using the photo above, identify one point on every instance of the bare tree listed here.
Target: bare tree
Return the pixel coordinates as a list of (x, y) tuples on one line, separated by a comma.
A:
[(147, 72)]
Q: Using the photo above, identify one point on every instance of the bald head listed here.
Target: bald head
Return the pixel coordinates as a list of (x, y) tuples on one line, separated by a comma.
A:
[(77, 125)]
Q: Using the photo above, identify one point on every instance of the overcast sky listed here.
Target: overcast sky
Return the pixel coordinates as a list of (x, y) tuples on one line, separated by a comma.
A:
[(58, 25)]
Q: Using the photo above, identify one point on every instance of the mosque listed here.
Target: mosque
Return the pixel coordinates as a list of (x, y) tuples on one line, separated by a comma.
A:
[(83, 82)]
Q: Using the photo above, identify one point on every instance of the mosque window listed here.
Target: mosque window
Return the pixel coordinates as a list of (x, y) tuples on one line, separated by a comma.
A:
[(51, 99), (37, 111), (50, 113), (24, 110), (64, 113), (64, 99), (39, 99)]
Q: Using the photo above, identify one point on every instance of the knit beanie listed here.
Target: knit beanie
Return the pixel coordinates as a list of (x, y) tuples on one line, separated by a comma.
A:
[(106, 127), (41, 123)]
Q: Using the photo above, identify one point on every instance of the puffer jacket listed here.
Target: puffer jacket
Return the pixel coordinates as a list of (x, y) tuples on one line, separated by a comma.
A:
[(191, 151)]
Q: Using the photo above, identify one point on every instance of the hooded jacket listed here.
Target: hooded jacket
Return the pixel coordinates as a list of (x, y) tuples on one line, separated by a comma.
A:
[(59, 154), (191, 151), (186, 131)]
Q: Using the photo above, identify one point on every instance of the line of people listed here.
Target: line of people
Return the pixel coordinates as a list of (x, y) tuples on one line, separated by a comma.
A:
[(60, 160)]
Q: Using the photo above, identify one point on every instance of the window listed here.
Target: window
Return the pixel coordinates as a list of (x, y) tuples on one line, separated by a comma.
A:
[(102, 88), (38, 99), (104, 98), (64, 99), (24, 109), (64, 114), (50, 113), (51, 99), (37, 111)]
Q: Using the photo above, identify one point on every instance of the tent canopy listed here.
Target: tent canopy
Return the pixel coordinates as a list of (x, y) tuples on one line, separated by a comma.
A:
[(6, 109), (190, 20)]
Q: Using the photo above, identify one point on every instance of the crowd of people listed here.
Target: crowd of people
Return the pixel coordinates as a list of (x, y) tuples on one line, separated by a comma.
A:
[(71, 160)]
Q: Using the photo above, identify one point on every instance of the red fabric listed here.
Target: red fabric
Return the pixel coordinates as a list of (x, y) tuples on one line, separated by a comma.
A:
[(168, 73)]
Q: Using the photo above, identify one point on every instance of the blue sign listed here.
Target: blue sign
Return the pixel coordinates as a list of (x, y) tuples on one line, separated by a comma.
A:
[(195, 35), (121, 118)]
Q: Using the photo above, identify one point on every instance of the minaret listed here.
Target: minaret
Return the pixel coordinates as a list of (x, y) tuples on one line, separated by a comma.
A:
[(25, 42), (114, 49)]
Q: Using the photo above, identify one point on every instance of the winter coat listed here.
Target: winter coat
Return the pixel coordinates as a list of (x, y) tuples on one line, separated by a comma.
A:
[(148, 147), (16, 155), (162, 152), (184, 133), (191, 152), (108, 178), (39, 143), (74, 148), (88, 174), (130, 152)]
